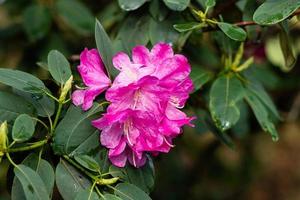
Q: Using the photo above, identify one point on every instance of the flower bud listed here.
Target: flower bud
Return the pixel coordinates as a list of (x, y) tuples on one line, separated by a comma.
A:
[(66, 89), (3, 138)]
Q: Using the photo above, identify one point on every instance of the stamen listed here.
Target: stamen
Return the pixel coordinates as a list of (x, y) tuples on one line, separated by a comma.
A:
[(170, 145)]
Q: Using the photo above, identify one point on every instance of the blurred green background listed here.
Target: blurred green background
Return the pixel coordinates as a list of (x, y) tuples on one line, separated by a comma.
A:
[(200, 166)]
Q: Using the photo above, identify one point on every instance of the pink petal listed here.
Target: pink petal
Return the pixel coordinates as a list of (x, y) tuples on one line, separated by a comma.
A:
[(140, 55), (90, 95), (119, 160), (160, 52), (78, 97), (111, 136), (121, 61), (118, 149)]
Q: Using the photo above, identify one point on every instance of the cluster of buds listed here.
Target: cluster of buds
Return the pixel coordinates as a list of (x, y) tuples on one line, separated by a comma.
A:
[(3, 139)]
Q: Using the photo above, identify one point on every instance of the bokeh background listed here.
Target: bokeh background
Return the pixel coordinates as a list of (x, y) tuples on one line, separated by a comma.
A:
[(201, 166)]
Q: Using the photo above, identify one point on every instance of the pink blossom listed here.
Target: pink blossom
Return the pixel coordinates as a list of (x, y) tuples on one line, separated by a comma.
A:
[(93, 74), (146, 96)]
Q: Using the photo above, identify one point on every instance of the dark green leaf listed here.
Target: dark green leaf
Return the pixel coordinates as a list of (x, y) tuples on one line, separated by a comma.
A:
[(162, 32), (11, 106), (76, 15), (232, 31), (200, 77), (21, 81), (105, 49), (157, 10), (44, 105), (70, 181), (86, 195), (37, 21), (87, 162), (130, 192), (142, 177), (43, 168), (59, 66), (110, 197), (177, 5), (261, 113), (134, 31), (33, 186), (129, 5), (23, 128), (74, 129), (225, 92), (274, 11), (188, 26)]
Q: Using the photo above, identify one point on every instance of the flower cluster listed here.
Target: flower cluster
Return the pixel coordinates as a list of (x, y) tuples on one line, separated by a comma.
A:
[(145, 98)]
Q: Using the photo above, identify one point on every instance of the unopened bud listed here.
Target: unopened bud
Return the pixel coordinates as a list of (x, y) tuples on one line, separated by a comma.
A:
[(3, 138), (66, 89)]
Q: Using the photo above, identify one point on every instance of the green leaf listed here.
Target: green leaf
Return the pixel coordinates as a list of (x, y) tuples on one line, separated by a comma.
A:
[(157, 10), (105, 49), (130, 192), (59, 66), (11, 106), (225, 92), (142, 177), (210, 3), (177, 5), (188, 26), (286, 48), (134, 31), (87, 162), (274, 11), (256, 87), (200, 77), (262, 115), (36, 21), (110, 197), (33, 186), (129, 5), (74, 129), (43, 168), (232, 31), (76, 15), (86, 195), (162, 32), (44, 105), (21, 81), (23, 128), (70, 181)]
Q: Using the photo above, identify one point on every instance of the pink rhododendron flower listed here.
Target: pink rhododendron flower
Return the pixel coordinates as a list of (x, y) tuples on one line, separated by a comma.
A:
[(93, 74), (145, 97)]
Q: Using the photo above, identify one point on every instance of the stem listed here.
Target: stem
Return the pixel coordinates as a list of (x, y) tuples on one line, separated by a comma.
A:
[(50, 95), (30, 147), (60, 105), (11, 161), (41, 122), (80, 168), (99, 193)]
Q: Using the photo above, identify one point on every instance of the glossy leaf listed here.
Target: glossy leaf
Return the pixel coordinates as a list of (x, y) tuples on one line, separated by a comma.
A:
[(110, 197), (142, 177), (130, 192), (33, 186), (76, 15), (210, 3), (70, 181), (87, 195), (162, 32), (275, 11), (188, 26), (11, 106), (74, 129), (200, 77), (129, 5), (21, 81), (44, 105), (36, 21), (23, 128), (105, 48), (177, 5), (225, 92), (43, 168), (232, 31), (87, 162), (59, 67), (262, 115)]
